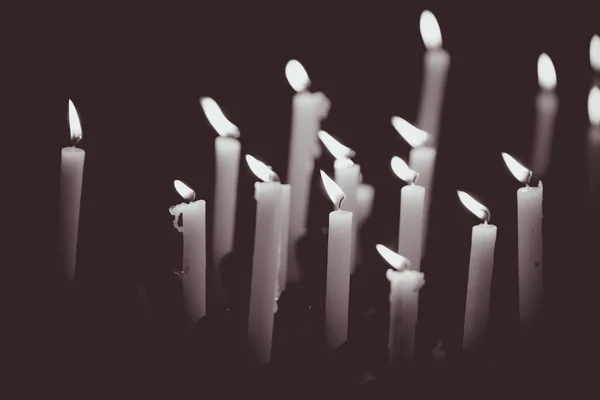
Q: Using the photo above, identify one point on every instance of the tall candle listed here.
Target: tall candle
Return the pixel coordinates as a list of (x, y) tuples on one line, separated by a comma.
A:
[(227, 159), (71, 180), (481, 265), (593, 147), (308, 109), (365, 195), (284, 224), (264, 262), (546, 108), (193, 272), (435, 70)]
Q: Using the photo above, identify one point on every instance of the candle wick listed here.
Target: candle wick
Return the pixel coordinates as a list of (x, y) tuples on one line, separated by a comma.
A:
[(415, 178), (528, 180), (76, 141), (274, 177), (338, 206), (487, 217)]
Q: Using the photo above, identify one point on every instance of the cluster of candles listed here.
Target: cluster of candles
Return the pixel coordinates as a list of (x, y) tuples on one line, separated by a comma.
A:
[(282, 210)]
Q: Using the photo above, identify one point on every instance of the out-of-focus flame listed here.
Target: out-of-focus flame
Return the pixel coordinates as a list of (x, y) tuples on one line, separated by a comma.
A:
[(297, 76), (594, 106), (338, 150), (402, 170), (595, 53), (217, 119), (184, 190), (430, 30), (546, 72), (260, 169), (334, 192), (413, 135), (397, 261), (519, 171), (481, 211), (74, 123)]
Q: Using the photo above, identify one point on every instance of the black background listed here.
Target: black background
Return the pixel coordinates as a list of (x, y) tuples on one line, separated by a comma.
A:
[(135, 73)]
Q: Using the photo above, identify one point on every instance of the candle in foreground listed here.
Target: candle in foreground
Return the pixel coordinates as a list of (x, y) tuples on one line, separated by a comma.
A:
[(546, 108), (481, 265), (193, 273), (71, 180), (337, 295), (405, 284), (308, 109), (529, 219), (284, 229), (435, 70), (227, 160), (593, 147), (264, 261)]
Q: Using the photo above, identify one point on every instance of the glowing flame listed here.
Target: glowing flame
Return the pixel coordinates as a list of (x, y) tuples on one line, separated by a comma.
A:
[(595, 53), (260, 169), (519, 171), (413, 135), (297, 76), (481, 211), (594, 106), (430, 30), (546, 72), (74, 123), (334, 192), (217, 119), (402, 170), (397, 261), (338, 150), (184, 190)]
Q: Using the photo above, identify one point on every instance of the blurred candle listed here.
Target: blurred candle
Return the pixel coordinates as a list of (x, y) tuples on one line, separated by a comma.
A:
[(284, 226), (71, 180), (481, 265), (436, 63), (227, 160), (595, 58), (529, 219), (546, 108), (593, 147), (264, 262), (337, 297), (193, 273), (365, 195), (308, 109)]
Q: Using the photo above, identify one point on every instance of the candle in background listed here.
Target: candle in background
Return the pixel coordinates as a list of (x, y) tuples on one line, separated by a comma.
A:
[(593, 147), (595, 58), (365, 194), (529, 219), (71, 180), (308, 109), (284, 229), (264, 261), (412, 203), (435, 70), (546, 108), (193, 273), (405, 284), (227, 161), (481, 265)]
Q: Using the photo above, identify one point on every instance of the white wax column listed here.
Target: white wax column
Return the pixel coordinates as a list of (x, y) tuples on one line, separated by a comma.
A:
[(436, 65), (593, 153), (227, 158), (365, 195), (337, 296), (410, 233), (422, 161), (264, 271), (481, 265), (529, 201), (71, 180), (348, 178), (546, 108), (284, 223)]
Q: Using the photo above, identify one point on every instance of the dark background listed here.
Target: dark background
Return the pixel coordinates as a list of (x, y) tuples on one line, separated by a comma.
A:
[(135, 73)]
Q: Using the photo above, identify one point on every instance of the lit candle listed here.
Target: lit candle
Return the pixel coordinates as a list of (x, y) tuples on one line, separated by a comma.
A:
[(284, 229), (308, 109), (481, 265), (529, 219), (405, 284), (436, 64), (193, 272), (546, 108), (595, 58), (593, 146), (412, 202), (264, 262), (227, 159), (337, 295), (365, 195), (71, 180)]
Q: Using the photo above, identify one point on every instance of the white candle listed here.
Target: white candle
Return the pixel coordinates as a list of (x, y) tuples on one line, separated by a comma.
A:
[(546, 108), (71, 180), (308, 109), (284, 225), (481, 265), (227, 159), (365, 195), (337, 297), (593, 146), (595, 57), (436, 64), (193, 273), (261, 316)]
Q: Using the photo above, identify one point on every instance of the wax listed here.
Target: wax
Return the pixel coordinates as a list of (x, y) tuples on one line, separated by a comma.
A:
[(546, 109), (411, 228), (593, 156), (422, 160), (365, 194), (436, 64), (283, 238), (348, 179)]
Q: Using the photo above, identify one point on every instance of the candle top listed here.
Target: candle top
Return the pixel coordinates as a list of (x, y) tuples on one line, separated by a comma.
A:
[(217, 119), (594, 106), (403, 171), (414, 136), (337, 149), (410, 279), (74, 124), (595, 53), (262, 171), (297, 76), (521, 173), (546, 72), (478, 209), (334, 192), (430, 30)]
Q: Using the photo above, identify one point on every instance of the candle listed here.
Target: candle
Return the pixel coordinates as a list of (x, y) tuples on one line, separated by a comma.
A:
[(337, 295), (546, 108), (593, 146), (264, 262), (71, 180), (412, 202), (595, 57), (227, 159), (308, 109), (405, 284), (365, 194), (284, 226), (193, 272), (529, 219), (481, 264), (435, 66)]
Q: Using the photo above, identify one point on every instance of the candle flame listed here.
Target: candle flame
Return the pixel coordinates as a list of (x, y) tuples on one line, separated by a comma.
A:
[(519, 171), (430, 30), (595, 53), (260, 169), (297, 76), (184, 190), (546, 72), (74, 124), (594, 106), (480, 211), (334, 192), (413, 135), (402, 170), (338, 150), (217, 119), (397, 261)]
